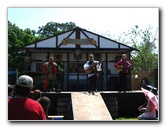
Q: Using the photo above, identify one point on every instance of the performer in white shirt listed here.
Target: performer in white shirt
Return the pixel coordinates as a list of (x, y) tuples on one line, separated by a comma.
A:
[(91, 68)]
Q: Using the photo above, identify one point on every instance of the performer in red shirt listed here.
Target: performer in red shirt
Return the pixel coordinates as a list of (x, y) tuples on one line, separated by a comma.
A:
[(20, 107), (123, 67), (49, 71)]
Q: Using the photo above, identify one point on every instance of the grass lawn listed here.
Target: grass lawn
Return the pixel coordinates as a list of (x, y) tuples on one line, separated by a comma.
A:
[(127, 118)]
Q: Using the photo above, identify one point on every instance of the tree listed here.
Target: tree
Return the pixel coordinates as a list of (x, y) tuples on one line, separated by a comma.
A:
[(53, 28), (16, 39)]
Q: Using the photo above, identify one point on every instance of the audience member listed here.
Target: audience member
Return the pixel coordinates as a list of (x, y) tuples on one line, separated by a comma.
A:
[(20, 107), (36, 94), (149, 112), (45, 103)]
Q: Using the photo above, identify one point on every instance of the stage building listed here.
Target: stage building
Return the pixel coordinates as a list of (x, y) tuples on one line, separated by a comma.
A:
[(71, 50)]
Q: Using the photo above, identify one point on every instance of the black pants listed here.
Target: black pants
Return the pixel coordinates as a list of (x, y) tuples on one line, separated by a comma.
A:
[(99, 83), (92, 83), (122, 82)]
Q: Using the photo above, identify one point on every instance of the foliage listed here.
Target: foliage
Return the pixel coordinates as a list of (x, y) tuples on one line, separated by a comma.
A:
[(16, 39), (53, 28)]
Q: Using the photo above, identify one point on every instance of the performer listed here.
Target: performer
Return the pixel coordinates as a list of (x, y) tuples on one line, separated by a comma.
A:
[(90, 68), (123, 67), (49, 71)]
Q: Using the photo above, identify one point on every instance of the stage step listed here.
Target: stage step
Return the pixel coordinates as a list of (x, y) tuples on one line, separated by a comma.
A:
[(88, 107)]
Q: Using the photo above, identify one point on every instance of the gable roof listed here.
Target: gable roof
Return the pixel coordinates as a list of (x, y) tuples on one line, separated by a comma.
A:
[(56, 42)]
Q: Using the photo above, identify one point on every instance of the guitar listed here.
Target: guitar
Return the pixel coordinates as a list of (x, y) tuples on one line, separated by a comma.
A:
[(119, 68), (89, 70), (93, 67)]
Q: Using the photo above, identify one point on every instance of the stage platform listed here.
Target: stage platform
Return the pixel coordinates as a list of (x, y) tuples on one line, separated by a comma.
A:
[(119, 104)]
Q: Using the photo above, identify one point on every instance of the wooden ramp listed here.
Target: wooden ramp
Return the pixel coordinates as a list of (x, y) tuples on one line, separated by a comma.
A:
[(88, 107)]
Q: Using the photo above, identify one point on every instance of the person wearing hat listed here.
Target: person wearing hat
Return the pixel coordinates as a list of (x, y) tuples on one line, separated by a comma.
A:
[(49, 71), (20, 107), (148, 113), (123, 67)]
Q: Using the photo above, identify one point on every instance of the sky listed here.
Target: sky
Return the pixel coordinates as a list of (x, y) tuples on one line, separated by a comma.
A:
[(106, 21)]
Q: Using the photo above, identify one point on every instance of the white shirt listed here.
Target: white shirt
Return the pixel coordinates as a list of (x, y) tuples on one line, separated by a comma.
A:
[(87, 65)]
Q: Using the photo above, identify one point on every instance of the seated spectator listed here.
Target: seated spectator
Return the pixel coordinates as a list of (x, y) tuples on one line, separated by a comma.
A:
[(36, 94), (20, 107), (45, 103), (148, 113)]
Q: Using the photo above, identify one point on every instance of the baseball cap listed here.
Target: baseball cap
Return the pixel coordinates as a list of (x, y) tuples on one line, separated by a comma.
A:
[(25, 81)]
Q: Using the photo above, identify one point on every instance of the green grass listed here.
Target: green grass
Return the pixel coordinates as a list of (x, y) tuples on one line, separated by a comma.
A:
[(127, 118)]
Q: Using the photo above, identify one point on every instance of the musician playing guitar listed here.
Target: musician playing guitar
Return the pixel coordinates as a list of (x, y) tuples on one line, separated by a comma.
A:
[(123, 67), (90, 68)]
